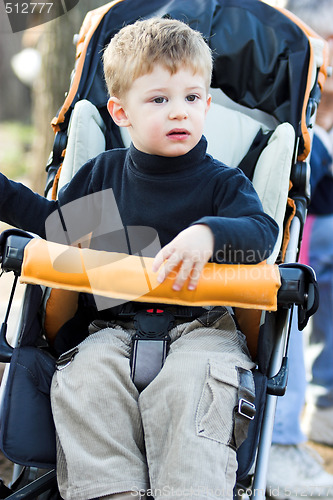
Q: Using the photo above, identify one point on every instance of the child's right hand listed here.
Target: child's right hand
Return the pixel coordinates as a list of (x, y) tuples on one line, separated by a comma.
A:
[(191, 249)]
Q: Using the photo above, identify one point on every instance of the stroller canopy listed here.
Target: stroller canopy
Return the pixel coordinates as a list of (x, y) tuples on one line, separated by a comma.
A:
[(261, 56)]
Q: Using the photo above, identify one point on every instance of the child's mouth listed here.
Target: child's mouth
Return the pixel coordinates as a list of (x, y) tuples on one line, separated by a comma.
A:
[(178, 134)]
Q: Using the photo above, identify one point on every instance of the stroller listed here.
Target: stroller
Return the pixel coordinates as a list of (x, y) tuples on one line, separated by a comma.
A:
[(265, 97)]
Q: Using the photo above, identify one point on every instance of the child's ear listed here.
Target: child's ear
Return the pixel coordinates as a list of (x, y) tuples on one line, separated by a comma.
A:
[(208, 102), (117, 112)]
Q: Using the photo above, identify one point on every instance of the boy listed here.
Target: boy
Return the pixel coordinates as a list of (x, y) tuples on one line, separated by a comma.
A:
[(178, 437)]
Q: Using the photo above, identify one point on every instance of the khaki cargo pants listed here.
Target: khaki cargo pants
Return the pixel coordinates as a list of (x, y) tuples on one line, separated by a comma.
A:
[(174, 440)]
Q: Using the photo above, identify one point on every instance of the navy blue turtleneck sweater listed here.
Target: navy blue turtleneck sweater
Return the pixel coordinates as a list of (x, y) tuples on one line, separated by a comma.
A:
[(166, 194)]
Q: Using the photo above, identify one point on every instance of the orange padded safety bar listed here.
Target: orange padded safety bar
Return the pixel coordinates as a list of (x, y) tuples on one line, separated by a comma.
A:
[(130, 278)]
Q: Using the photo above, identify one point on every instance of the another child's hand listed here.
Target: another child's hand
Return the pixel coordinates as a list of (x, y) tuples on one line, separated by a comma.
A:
[(191, 249)]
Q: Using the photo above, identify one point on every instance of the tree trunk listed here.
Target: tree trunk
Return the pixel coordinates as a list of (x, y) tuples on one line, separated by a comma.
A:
[(14, 94), (58, 56)]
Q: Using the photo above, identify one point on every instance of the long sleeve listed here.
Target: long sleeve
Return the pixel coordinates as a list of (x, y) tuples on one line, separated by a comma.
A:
[(22, 208), (243, 232)]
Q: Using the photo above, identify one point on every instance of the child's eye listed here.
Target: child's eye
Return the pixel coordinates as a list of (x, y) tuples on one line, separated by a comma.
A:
[(159, 100), (191, 97)]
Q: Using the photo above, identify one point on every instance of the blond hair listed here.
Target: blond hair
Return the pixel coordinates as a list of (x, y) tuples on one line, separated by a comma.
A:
[(136, 49)]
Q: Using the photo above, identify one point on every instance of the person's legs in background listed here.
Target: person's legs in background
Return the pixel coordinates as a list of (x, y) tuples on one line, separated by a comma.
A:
[(318, 416), (287, 429), (294, 468)]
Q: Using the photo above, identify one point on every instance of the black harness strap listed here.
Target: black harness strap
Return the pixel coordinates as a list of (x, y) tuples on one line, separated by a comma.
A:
[(248, 163), (149, 345)]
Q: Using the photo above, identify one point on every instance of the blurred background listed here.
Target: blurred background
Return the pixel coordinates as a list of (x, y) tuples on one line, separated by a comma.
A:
[(35, 68)]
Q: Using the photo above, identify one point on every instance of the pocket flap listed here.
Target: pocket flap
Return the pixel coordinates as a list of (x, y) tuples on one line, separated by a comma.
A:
[(228, 375)]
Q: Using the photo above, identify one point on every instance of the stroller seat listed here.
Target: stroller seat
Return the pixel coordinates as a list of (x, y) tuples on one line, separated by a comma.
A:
[(274, 137)]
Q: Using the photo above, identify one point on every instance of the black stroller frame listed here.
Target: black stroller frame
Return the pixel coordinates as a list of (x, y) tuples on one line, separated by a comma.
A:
[(274, 79)]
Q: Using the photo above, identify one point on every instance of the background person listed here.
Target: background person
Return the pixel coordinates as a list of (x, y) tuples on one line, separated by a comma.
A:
[(293, 465)]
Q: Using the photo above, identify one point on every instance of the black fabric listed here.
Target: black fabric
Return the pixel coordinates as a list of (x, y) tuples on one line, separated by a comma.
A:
[(248, 163), (260, 56), (27, 433), (245, 411), (266, 340), (76, 330), (247, 451), (31, 327)]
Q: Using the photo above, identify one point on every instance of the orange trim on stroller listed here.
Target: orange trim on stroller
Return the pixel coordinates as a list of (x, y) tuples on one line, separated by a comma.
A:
[(91, 21), (322, 75), (94, 17), (130, 278)]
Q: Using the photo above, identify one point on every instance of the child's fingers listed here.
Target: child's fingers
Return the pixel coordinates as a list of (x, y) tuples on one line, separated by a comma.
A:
[(173, 261), (190, 268), (163, 254), (183, 274), (195, 275), (170, 261)]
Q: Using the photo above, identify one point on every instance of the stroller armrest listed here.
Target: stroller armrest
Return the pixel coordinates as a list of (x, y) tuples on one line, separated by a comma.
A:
[(12, 245), (130, 278)]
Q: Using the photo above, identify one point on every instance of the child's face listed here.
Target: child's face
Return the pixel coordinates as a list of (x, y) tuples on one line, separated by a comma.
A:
[(164, 113)]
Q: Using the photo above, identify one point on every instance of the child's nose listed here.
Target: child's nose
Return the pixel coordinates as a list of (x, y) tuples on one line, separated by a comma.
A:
[(178, 113)]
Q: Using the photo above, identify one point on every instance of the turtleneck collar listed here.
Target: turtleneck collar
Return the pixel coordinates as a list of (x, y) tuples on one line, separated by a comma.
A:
[(154, 164)]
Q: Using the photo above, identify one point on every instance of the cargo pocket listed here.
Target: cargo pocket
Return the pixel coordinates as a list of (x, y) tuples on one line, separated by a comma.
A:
[(223, 395)]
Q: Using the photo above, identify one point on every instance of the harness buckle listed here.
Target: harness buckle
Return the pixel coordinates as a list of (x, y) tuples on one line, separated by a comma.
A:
[(246, 409), (150, 344)]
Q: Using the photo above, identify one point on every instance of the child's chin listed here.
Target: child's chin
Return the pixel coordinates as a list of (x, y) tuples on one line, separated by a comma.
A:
[(177, 150)]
